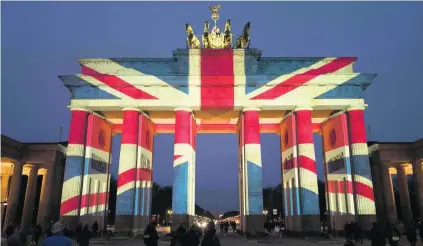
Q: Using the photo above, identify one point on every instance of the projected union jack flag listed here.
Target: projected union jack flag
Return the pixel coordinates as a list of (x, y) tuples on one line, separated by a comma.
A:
[(217, 79)]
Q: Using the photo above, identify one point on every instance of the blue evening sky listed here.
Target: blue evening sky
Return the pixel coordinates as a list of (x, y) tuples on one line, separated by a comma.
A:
[(41, 40)]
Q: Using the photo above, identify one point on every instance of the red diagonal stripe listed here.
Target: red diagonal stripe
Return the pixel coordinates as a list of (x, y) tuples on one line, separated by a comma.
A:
[(300, 79), (87, 200), (134, 174), (117, 84), (360, 188), (126, 177), (339, 187), (307, 163), (364, 190), (175, 157)]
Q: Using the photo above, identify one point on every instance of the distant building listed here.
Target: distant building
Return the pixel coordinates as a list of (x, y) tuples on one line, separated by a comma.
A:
[(31, 181)]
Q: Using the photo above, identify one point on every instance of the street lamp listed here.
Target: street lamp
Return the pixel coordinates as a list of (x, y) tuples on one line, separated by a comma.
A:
[(265, 212)]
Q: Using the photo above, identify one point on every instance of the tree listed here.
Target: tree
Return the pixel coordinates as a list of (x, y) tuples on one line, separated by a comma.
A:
[(162, 202)]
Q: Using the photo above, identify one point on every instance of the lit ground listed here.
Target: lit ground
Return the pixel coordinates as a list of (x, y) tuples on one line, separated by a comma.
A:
[(234, 240)]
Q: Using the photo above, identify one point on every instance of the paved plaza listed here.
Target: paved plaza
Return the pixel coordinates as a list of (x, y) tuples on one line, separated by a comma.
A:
[(234, 240)]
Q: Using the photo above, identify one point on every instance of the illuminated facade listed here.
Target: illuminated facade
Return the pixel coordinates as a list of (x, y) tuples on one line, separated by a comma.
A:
[(402, 160), (217, 90), (32, 160)]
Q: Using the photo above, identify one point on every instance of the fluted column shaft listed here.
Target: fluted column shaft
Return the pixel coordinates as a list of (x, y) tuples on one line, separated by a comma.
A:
[(388, 194), (418, 181), (404, 195), (360, 168), (43, 217), (72, 179), (4, 186), (309, 214), (29, 199), (126, 183), (14, 192), (183, 197)]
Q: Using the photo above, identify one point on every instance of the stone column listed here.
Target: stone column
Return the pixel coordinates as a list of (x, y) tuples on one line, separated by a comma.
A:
[(388, 193), (47, 186), (4, 192), (309, 218), (72, 180), (4, 185), (253, 174), (403, 192), (360, 167), (14, 192), (183, 196), (28, 209), (418, 180), (125, 200), (144, 178)]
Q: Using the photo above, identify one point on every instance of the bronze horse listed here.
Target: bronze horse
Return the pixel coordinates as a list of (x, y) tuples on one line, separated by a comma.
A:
[(243, 41), (206, 36), (228, 35), (192, 40)]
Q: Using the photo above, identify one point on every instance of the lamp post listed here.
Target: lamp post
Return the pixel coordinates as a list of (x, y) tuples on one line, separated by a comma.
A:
[(169, 214), (265, 213), (4, 207)]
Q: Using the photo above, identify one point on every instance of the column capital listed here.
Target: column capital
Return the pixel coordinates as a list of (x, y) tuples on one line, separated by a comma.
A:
[(303, 108), (71, 108), (356, 107), (42, 171), (131, 109), (29, 168), (404, 165), (183, 109), (401, 167), (250, 109)]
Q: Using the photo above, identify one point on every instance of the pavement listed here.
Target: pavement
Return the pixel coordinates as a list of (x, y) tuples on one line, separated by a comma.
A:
[(234, 240)]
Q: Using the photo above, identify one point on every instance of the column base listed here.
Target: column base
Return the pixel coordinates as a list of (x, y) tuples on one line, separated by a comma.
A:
[(123, 223), (305, 225), (90, 219), (366, 221), (140, 223), (254, 225), (71, 221), (339, 221), (178, 219)]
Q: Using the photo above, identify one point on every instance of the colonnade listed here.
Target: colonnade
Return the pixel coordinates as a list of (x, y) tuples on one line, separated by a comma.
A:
[(402, 170), (346, 159), (11, 191)]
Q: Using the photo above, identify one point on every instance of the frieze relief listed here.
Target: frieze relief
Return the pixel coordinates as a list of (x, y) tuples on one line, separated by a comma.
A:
[(129, 61), (236, 52)]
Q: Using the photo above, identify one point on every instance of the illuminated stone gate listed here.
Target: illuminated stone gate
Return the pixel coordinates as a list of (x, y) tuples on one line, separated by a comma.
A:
[(217, 88)]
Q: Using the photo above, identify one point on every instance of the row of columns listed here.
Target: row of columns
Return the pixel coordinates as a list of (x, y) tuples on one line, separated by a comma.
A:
[(86, 182), (133, 176), (13, 193), (388, 192), (349, 187)]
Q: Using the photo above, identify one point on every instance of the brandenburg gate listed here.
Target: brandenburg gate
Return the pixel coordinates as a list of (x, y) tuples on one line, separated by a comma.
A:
[(218, 85)]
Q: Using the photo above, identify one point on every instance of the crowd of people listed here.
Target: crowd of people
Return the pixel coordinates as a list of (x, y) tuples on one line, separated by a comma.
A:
[(56, 234), (183, 236), (394, 232), (224, 226)]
